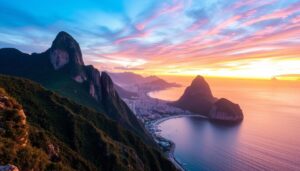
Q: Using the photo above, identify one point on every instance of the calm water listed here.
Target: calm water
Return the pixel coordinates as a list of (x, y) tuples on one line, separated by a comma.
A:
[(268, 138)]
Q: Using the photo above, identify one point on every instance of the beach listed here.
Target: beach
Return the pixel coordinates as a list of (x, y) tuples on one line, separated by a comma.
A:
[(158, 138)]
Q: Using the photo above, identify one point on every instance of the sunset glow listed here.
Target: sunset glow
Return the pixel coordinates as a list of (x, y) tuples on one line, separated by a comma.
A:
[(245, 39)]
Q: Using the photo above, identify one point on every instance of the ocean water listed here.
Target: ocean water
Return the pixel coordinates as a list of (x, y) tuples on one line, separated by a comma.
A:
[(267, 139)]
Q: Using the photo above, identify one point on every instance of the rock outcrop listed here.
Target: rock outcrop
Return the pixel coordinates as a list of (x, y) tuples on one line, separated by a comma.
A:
[(13, 129), (53, 152), (65, 53), (93, 79), (65, 49), (12, 120), (225, 110), (196, 98), (108, 86)]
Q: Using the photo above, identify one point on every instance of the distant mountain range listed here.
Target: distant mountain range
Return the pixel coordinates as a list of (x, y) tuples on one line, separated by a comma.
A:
[(133, 82), (79, 129), (198, 98)]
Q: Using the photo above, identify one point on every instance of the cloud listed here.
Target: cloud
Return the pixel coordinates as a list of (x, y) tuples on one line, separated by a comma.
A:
[(278, 14), (129, 68), (172, 36)]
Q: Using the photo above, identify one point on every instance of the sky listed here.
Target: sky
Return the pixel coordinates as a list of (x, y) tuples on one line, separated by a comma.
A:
[(227, 38)]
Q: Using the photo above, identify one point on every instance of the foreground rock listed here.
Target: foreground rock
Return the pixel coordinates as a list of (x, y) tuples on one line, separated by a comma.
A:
[(225, 110)]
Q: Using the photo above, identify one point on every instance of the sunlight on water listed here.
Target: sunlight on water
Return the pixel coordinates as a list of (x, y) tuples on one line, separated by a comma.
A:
[(268, 138)]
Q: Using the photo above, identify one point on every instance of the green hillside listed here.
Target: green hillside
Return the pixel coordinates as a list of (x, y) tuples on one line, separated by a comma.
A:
[(80, 138)]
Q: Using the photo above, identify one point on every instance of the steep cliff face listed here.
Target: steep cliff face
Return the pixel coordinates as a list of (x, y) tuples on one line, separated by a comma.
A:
[(197, 97), (115, 106), (93, 78), (108, 86), (225, 110)]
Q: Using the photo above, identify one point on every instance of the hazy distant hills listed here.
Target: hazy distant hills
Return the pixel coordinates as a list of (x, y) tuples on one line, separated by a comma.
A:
[(126, 78), (61, 69), (132, 82), (125, 93)]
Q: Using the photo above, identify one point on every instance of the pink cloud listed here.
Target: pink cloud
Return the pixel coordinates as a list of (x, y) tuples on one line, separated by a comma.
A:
[(279, 14), (240, 4), (195, 26)]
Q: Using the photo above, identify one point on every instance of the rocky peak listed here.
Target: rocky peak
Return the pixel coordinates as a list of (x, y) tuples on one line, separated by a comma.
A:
[(65, 50), (197, 97), (198, 80), (200, 86), (107, 85)]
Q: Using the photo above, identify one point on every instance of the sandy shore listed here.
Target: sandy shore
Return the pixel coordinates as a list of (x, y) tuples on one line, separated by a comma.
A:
[(171, 156), (158, 121)]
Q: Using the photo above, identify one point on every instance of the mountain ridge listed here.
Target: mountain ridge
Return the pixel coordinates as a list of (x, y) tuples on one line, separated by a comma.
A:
[(132, 82), (61, 69)]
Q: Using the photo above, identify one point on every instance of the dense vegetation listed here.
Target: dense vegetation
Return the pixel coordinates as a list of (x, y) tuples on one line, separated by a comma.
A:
[(63, 135)]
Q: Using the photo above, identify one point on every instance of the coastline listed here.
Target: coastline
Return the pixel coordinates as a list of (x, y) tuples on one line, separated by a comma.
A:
[(170, 152), (167, 145)]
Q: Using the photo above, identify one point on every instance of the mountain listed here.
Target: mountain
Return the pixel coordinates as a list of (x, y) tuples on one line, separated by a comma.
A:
[(41, 130), (126, 78), (154, 83), (133, 82), (197, 97), (61, 69)]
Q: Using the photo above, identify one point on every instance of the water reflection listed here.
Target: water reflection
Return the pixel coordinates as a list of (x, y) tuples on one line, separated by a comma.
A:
[(202, 145), (267, 139)]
